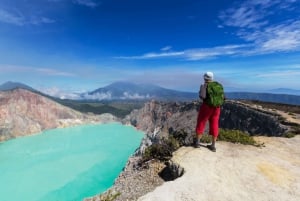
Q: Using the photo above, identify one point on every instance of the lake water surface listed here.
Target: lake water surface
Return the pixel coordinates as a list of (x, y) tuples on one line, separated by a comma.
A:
[(65, 164)]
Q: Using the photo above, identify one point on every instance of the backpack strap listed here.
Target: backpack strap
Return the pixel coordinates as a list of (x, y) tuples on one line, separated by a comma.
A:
[(203, 91)]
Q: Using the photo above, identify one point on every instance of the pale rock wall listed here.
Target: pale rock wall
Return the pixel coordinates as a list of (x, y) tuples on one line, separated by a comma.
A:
[(160, 119), (23, 112)]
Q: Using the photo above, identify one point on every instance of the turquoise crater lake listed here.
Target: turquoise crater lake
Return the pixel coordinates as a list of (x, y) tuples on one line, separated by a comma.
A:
[(66, 164)]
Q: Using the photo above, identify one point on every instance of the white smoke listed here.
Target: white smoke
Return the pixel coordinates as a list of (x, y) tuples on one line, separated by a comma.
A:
[(97, 96), (127, 95), (58, 93)]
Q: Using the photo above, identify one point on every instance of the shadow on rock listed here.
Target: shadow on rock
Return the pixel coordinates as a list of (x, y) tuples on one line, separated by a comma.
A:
[(171, 172)]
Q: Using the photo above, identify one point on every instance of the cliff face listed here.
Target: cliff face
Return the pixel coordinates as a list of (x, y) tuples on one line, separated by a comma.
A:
[(160, 119), (233, 166), (23, 112), (252, 120)]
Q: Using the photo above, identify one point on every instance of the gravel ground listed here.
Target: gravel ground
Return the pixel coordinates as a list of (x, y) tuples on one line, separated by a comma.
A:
[(134, 181)]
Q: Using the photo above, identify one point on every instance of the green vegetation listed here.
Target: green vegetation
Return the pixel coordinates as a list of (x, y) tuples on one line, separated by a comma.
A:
[(119, 109), (234, 136), (179, 136), (296, 129), (161, 151), (237, 136), (289, 135), (206, 139), (281, 119)]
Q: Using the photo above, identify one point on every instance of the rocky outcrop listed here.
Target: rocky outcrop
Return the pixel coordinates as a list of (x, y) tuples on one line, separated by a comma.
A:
[(134, 182), (23, 112), (236, 172), (160, 119), (172, 171), (255, 121)]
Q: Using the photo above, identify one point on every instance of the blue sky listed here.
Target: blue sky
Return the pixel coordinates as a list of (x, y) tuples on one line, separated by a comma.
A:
[(79, 45)]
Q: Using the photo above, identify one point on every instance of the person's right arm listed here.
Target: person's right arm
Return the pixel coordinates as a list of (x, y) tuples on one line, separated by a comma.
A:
[(202, 92)]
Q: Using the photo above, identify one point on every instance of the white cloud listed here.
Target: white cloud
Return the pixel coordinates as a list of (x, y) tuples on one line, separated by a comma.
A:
[(279, 38), (283, 37), (97, 96), (253, 13), (57, 92), (253, 23), (153, 55), (11, 18), (166, 48), (108, 96), (19, 19), (206, 53), (280, 74), (40, 20), (127, 95), (88, 3), (244, 16), (195, 54)]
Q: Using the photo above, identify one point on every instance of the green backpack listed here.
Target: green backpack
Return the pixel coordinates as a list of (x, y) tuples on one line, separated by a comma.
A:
[(214, 94)]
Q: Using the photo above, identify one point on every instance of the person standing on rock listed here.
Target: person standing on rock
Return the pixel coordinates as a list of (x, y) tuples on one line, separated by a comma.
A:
[(212, 95)]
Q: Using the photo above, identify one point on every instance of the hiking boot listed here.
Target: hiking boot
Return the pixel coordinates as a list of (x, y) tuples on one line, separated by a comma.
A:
[(197, 145), (211, 147)]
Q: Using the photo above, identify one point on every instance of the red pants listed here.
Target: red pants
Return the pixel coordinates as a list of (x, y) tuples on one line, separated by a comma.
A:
[(212, 114)]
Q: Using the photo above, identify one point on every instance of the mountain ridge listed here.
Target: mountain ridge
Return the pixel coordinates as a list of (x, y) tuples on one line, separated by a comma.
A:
[(123, 90), (285, 91), (10, 85), (129, 90), (24, 112), (144, 92)]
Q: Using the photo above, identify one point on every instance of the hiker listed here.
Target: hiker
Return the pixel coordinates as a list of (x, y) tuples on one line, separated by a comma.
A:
[(212, 95)]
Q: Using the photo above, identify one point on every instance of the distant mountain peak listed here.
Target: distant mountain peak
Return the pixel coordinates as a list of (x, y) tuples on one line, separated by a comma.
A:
[(10, 85), (130, 84), (123, 90), (285, 91)]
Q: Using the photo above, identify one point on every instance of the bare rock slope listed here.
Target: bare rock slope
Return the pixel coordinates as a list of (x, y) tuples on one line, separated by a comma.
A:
[(23, 112), (158, 120), (236, 172)]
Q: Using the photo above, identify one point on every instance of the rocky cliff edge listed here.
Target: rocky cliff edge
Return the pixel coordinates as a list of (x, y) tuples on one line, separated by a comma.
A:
[(234, 172)]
